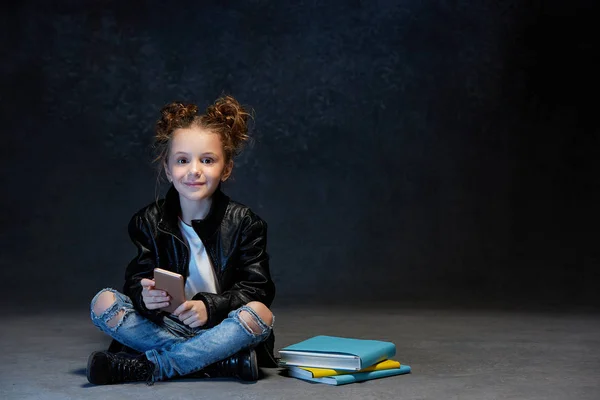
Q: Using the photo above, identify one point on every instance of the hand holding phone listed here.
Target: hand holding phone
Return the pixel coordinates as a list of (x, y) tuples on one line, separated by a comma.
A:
[(192, 313), (153, 298)]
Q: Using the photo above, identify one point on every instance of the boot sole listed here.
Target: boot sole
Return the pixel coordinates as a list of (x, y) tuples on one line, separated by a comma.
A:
[(254, 364), (93, 364)]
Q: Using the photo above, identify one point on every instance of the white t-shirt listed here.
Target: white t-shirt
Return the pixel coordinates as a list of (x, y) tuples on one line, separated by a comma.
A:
[(201, 273)]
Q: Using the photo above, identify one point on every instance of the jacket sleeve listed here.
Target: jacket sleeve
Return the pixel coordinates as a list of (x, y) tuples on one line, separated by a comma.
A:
[(252, 280), (142, 266)]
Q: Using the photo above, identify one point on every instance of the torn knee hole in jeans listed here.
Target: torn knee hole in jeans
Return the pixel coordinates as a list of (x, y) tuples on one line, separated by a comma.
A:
[(250, 322), (113, 316), (115, 320)]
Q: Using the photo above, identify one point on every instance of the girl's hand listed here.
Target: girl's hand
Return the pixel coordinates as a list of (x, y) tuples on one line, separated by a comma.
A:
[(154, 299), (192, 313)]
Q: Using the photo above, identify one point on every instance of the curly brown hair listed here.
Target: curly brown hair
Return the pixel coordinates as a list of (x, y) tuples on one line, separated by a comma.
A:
[(225, 117)]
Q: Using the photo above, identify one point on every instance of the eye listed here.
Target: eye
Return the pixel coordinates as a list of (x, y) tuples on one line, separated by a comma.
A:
[(207, 160), (181, 161)]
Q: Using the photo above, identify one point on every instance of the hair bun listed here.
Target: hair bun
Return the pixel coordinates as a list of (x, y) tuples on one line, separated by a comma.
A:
[(173, 116), (229, 112), (177, 111)]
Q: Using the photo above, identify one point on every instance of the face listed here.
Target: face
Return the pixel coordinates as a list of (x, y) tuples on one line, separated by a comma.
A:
[(196, 164)]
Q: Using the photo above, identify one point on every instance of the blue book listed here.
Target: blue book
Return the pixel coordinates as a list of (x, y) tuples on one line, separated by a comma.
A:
[(355, 377), (336, 353)]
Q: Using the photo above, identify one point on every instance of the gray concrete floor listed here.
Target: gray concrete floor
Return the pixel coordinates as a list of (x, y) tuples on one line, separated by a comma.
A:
[(454, 354)]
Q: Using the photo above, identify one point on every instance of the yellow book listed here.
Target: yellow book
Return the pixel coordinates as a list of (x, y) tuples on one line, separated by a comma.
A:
[(309, 372)]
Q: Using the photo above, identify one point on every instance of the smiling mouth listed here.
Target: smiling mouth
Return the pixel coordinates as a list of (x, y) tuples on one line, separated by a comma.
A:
[(195, 183)]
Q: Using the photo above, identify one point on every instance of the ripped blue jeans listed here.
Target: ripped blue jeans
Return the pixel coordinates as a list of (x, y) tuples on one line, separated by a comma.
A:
[(175, 349)]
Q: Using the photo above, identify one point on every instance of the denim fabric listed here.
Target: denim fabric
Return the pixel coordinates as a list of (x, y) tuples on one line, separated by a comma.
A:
[(174, 348)]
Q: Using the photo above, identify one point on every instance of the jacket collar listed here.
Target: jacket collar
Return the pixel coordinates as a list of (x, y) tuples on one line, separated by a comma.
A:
[(171, 211)]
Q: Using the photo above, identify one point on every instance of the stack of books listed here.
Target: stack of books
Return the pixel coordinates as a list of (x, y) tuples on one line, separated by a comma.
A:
[(337, 361)]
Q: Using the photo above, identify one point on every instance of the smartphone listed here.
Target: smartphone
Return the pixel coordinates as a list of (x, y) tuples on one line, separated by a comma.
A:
[(173, 284)]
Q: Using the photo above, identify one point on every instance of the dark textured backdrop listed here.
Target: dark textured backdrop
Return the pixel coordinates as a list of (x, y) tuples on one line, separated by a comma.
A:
[(405, 151)]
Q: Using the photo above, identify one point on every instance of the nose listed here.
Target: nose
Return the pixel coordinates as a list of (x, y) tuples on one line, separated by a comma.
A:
[(195, 167)]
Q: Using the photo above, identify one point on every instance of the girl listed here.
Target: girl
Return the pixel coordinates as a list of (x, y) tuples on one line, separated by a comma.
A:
[(219, 246)]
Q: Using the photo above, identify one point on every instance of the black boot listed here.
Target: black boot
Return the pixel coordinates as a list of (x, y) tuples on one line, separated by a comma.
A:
[(242, 365), (104, 368)]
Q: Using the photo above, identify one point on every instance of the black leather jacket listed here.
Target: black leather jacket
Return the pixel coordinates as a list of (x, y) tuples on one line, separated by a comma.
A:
[(235, 240)]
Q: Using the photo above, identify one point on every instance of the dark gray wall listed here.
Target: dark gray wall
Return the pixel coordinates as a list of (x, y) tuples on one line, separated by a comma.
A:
[(424, 151)]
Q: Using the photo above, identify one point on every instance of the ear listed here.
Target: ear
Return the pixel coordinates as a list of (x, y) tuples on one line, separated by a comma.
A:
[(227, 171)]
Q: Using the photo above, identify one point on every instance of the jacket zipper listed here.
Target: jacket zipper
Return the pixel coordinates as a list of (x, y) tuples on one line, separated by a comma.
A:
[(185, 262)]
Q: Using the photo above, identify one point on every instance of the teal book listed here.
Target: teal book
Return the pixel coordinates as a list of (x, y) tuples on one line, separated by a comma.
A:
[(355, 377), (336, 353)]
